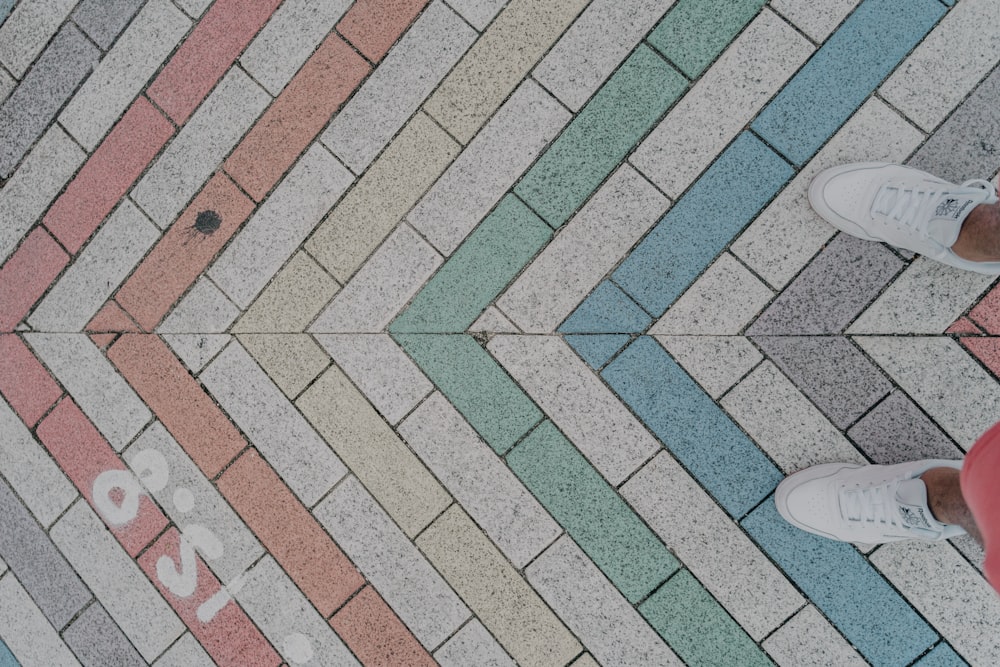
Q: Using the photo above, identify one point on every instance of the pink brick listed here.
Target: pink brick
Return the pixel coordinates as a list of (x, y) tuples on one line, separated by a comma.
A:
[(177, 399), (987, 350), (230, 637), (285, 130), (102, 340), (108, 174), (290, 533), (24, 382), (83, 455), (376, 635), (26, 276), (111, 318), (964, 327), (374, 25), (183, 253), (987, 312), (208, 52)]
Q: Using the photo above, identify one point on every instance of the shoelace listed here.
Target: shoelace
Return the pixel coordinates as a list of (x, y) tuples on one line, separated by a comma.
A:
[(870, 504), (902, 205)]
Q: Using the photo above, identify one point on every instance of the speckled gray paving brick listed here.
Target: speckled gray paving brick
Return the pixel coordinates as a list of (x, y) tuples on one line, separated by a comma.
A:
[(478, 13), (26, 632), (186, 652), (38, 565), (896, 430), (472, 645), (103, 20), (967, 144), (33, 104), (7, 84), (98, 642), (830, 371), (829, 293), (28, 29)]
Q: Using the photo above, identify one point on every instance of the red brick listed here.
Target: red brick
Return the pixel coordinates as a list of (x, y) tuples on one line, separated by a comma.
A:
[(111, 319), (964, 326), (297, 116), (102, 340), (374, 25), (289, 532), (83, 455), (183, 253), (26, 276), (108, 174), (24, 382), (208, 52), (195, 421), (987, 312), (230, 637), (376, 635), (986, 349)]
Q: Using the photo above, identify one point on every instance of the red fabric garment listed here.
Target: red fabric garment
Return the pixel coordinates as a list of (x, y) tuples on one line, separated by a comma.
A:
[(981, 490)]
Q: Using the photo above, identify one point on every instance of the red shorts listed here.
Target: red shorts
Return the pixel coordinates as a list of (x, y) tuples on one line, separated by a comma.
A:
[(980, 487)]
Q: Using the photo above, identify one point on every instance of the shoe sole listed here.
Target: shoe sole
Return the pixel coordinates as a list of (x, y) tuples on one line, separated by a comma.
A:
[(818, 201)]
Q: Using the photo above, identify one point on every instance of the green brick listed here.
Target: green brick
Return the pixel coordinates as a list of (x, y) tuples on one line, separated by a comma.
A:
[(592, 512), (697, 628), (597, 140), (475, 384), (477, 272), (694, 32)]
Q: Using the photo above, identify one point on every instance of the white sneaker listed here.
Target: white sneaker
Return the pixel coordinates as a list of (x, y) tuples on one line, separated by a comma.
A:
[(869, 504), (901, 206)]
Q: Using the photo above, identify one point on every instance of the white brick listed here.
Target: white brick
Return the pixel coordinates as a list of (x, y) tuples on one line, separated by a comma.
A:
[(288, 620), (783, 422), (28, 29), (597, 42), (394, 91), (926, 298), (493, 321), (127, 595), (949, 592), (119, 245), (808, 640), (472, 645), (816, 19), (3, 567), (712, 546), (383, 286), (478, 12), (7, 84), (204, 309), (187, 652), (196, 350), (577, 402), (380, 369), (875, 133), (479, 480), (584, 251), (209, 509), (394, 566), (283, 222), (194, 8), (117, 411), (124, 72), (931, 82), (923, 366), (721, 302), (27, 634), (289, 38), (590, 605), (41, 176), (200, 146), (488, 167), (722, 103), (270, 422), (714, 362), (31, 471)]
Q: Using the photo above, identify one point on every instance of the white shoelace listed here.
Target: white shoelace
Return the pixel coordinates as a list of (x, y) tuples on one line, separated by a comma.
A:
[(870, 504), (903, 205)]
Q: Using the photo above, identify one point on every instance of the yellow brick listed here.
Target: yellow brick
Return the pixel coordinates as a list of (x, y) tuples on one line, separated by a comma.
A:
[(291, 360), (291, 301)]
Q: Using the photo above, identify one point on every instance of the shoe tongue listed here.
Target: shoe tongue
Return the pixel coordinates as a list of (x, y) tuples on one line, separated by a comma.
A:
[(911, 500)]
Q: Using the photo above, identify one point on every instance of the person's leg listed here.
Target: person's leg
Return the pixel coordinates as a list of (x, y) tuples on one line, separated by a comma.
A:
[(981, 494), (979, 238), (946, 502)]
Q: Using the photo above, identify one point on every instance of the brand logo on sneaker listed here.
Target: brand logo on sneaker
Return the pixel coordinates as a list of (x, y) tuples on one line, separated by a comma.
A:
[(914, 516), (950, 208)]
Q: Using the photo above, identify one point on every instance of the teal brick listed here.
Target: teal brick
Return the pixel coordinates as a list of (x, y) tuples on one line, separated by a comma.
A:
[(7, 658), (597, 140), (475, 384), (695, 32), (477, 272), (592, 512), (597, 349), (697, 628)]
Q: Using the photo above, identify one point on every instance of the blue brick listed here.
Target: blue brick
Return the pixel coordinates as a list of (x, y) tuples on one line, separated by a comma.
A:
[(719, 455), (607, 310), (942, 656), (5, 7), (596, 349), (7, 658), (845, 586), (702, 223), (843, 73)]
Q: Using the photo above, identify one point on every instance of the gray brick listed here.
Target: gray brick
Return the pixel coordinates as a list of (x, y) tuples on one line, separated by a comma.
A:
[(830, 292), (103, 20), (33, 104), (897, 431), (967, 144), (97, 640), (37, 563), (830, 371)]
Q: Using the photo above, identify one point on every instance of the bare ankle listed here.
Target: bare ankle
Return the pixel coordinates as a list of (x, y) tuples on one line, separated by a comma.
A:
[(944, 497), (979, 239)]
